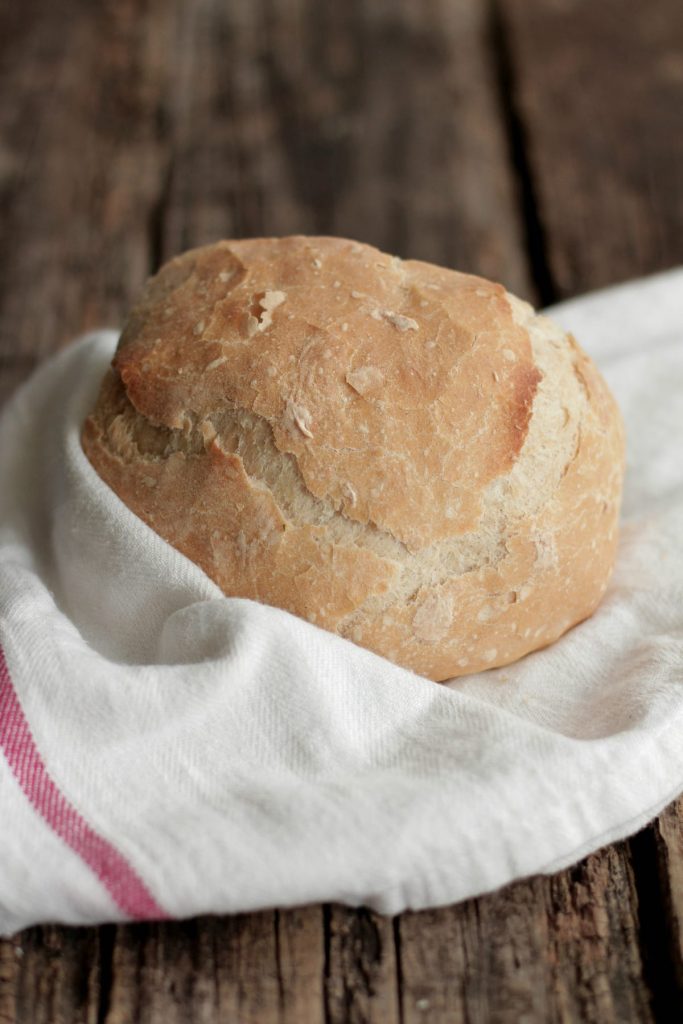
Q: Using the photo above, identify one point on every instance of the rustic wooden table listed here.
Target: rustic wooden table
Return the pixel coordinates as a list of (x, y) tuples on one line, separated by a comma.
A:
[(539, 142)]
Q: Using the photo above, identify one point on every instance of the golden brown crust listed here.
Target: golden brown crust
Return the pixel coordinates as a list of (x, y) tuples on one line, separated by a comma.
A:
[(398, 452)]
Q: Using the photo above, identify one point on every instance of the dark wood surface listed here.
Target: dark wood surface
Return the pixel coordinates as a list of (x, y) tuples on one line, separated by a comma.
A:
[(539, 142)]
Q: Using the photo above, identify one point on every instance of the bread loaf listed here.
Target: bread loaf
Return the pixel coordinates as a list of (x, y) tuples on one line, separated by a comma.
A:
[(407, 456)]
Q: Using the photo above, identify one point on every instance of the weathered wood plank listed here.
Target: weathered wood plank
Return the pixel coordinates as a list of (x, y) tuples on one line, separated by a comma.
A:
[(361, 983), (598, 88), (563, 948), (209, 968), (376, 121), (82, 166), (50, 975), (669, 838), (255, 969), (594, 956), (10, 953), (301, 964)]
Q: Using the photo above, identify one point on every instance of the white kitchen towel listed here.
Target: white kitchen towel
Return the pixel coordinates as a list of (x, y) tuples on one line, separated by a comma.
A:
[(167, 751)]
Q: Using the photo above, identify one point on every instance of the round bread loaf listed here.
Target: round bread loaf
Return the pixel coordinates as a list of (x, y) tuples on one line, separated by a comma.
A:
[(407, 456)]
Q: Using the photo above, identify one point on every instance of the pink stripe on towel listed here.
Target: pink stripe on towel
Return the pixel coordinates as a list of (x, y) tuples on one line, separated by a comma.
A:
[(16, 742)]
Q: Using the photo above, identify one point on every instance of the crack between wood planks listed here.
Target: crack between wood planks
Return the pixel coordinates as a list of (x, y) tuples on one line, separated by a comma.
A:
[(278, 965), (656, 936), (156, 226), (327, 968), (506, 81), (396, 929), (107, 942)]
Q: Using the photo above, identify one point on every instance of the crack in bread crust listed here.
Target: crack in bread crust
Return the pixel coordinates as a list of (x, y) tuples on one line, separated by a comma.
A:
[(431, 437), (250, 436)]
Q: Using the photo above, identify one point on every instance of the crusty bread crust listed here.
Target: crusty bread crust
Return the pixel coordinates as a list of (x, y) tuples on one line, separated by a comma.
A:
[(402, 454)]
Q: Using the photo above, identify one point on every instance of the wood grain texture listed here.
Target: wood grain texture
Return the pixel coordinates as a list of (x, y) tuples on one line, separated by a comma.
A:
[(212, 969), (374, 121), (598, 91), (562, 948), (361, 982), (51, 975), (493, 140), (669, 837), (82, 168)]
